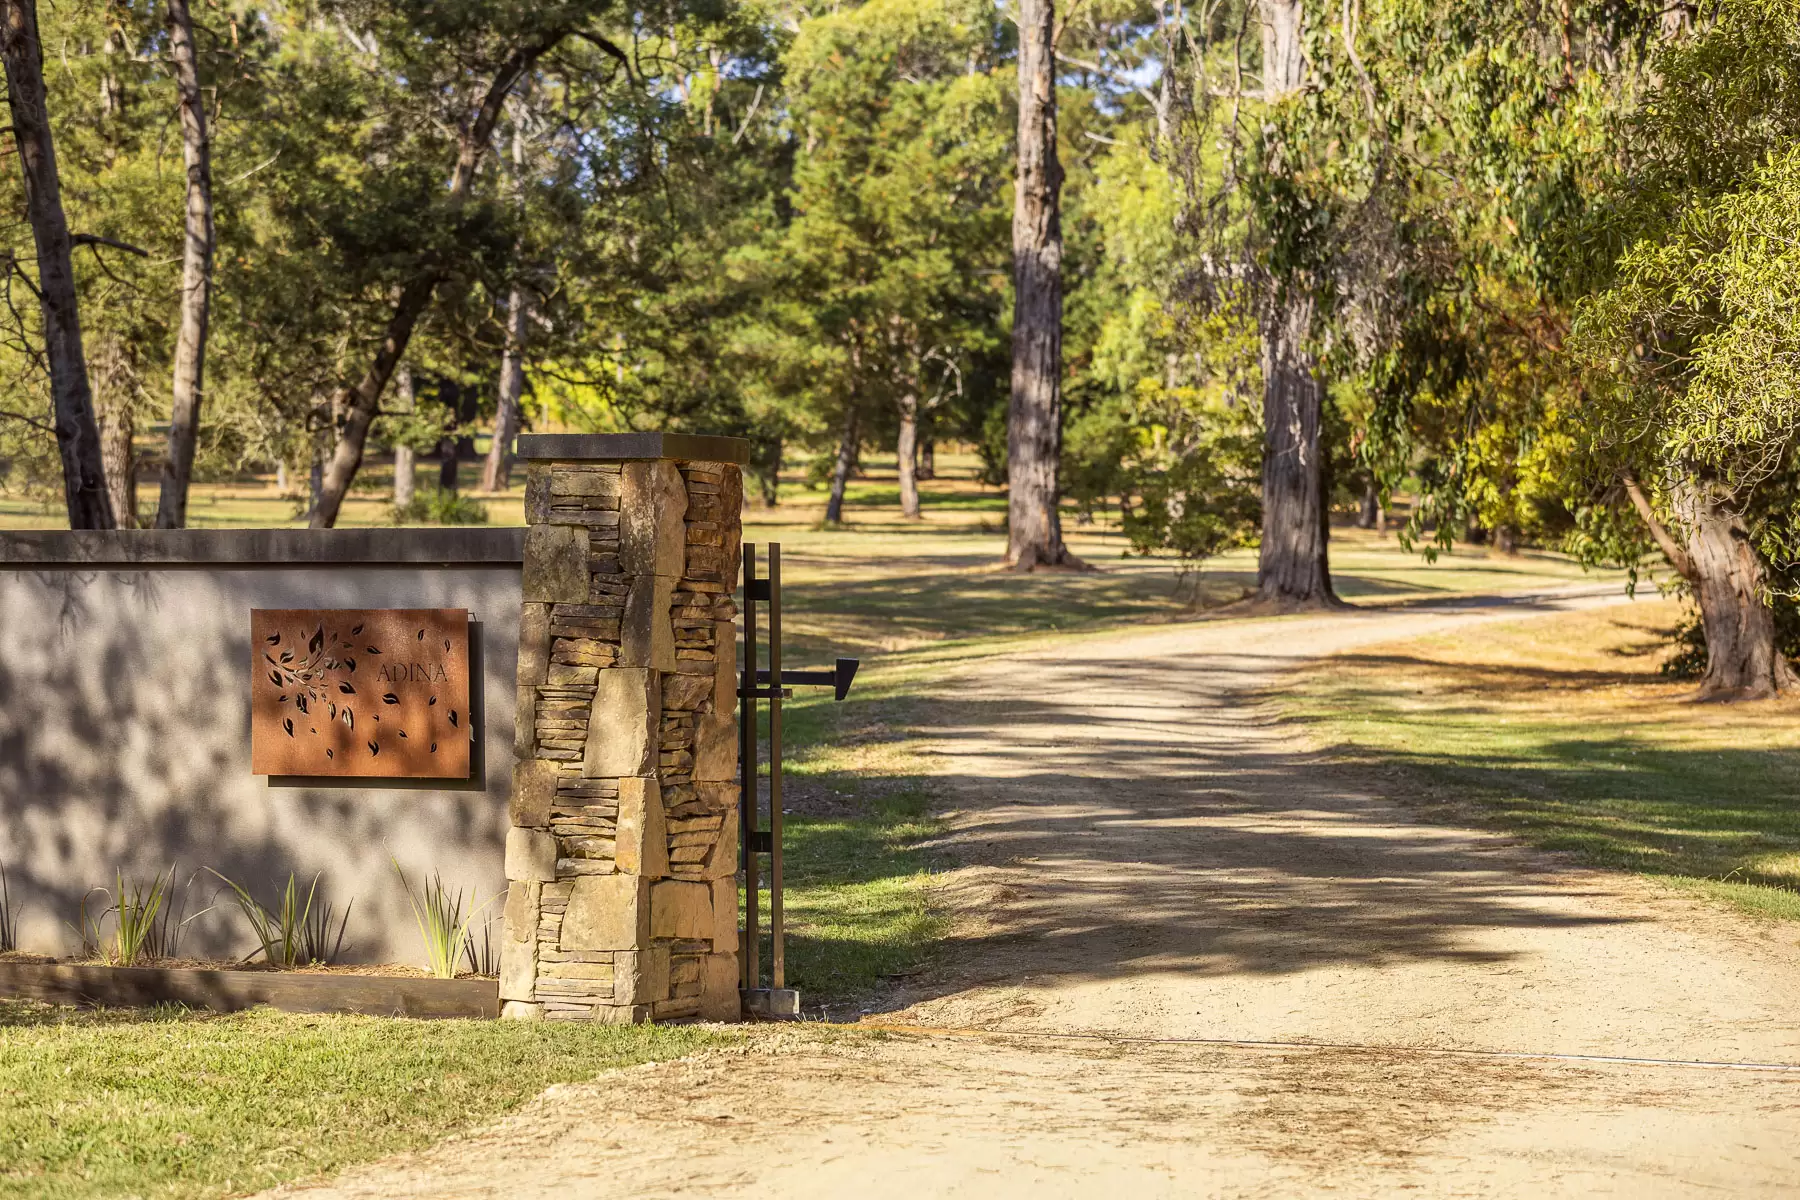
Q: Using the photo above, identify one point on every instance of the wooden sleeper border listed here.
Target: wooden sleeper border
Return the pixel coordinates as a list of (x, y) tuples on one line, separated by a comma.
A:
[(232, 991)]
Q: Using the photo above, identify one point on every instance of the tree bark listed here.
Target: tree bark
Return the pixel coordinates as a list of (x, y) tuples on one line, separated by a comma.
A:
[(770, 480), (447, 463), (498, 472), (196, 275), (1293, 570), (1283, 54), (906, 448), (928, 458), (1034, 412), (1371, 506), (361, 400), (72, 401), (403, 452), (112, 387), (1726, 574), (840, 474)]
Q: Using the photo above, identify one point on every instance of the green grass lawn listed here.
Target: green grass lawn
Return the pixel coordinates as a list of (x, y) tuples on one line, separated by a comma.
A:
[(173, 1104), (1562, 730)]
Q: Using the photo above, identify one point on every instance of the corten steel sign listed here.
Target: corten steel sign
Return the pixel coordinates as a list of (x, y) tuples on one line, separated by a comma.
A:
[(360, 692)]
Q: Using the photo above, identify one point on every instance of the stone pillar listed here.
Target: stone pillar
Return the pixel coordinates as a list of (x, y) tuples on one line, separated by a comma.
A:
[(622, 856)]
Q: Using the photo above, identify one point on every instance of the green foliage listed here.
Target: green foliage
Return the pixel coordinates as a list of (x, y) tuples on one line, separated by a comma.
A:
[(294, 932), (147, 919), (440, 506), (444, 923)]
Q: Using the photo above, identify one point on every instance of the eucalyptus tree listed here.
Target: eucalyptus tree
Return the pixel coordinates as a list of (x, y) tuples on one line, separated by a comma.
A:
[(198, 237), (1034, 415), (1693, 345), (77, 434)]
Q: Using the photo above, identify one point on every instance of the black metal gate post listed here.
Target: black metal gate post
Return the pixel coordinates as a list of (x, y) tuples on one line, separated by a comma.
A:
[(757, 683)]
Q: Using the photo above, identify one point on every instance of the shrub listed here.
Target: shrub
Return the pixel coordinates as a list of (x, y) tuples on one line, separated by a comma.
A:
[(437, 506)]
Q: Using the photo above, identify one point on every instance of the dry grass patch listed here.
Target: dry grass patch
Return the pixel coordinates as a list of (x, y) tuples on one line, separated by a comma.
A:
[(1564, 730)]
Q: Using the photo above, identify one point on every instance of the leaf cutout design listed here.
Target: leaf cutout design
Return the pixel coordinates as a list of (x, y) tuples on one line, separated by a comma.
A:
[(401, 732), (389, 698), (429, 703), (446, 645), (270, 660), (356, 629), (421, 635), (346, 689), (275, 678), (351, 663), (287, 656), (434, 747), (288, 725), (372, 650), (374, 749), (300, 703), (274, 639), (328, 753), (282, 699), (350, 718), (315, 641), (333, 706), (453, 718)]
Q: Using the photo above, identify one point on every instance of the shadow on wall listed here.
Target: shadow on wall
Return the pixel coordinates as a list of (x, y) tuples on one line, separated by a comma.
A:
[(125, 747)]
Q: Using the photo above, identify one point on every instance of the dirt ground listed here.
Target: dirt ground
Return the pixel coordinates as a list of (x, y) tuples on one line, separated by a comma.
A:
[(1193, 959)]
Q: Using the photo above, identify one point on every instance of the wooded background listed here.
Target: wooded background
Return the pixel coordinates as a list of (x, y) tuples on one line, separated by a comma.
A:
[(1227, 267)]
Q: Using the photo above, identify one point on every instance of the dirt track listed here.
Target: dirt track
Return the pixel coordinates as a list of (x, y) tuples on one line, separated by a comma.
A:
[(1153, 858)]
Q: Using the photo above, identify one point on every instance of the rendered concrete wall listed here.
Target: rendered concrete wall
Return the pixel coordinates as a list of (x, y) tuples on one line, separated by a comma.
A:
[(124, 727)]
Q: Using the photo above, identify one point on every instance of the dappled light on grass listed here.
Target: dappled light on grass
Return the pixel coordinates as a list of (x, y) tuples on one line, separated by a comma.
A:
[(163, 1102), (1562, 729)]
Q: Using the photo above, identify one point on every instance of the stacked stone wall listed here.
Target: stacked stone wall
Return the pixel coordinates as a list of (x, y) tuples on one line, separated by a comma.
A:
[(622, 856)]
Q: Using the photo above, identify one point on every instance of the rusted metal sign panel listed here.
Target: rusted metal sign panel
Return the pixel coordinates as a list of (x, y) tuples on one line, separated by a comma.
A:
[(360, 692)]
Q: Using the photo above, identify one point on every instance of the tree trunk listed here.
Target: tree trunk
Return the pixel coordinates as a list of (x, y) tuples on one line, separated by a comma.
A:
[(315, 487), (403, 476), (1506, 539), (403, 452), (72, 401), (1034, 412), (361, 401), (196, 275), (112, 388), (1283, 55), (1293, 571), (840, 474), (447, 464), (928, 458), (1371, 506), (770, 479), (497, 474), (1726, 574), (905, 450)]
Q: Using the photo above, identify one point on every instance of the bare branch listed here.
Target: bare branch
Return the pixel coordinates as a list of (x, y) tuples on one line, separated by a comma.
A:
[(94, 239)]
